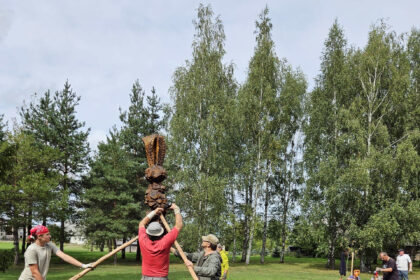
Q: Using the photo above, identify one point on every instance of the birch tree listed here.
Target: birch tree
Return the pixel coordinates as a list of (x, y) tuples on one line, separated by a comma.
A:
[(259, 109), (324, 160), (203, 93)]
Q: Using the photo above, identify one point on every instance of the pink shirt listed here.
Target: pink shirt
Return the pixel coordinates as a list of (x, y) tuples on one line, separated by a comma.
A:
[(155, 254)]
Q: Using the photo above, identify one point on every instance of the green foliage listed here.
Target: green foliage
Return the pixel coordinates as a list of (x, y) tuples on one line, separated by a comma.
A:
[(24, 186), (55, 233), (141, 119), (2, 129), (6, 259), (145, 116), (271, 110), (108, 201), (25, 176), (276, 252), (113, 200), (200, 128), (52, 121), (259, 112), (359, 126)]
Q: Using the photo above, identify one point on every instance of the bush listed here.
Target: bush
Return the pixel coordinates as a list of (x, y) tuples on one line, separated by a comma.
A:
[(276, 252), (6, 259)]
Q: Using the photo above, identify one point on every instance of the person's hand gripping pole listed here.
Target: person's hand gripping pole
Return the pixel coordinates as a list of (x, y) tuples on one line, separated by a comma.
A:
[(178, 225)]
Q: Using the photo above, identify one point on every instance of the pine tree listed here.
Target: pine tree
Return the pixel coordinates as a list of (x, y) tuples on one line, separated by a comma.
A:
[(145, 116), (111, 209), (6, 149), (53, 122), (24, 187)]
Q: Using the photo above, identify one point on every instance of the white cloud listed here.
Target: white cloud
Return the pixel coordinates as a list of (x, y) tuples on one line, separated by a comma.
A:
[(102, 47)]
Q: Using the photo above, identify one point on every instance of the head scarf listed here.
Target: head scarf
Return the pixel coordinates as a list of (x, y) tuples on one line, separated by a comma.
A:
[(38, 230)]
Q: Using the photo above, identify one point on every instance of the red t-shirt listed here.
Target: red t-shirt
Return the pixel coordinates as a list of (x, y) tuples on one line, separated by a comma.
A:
[(155, 254)]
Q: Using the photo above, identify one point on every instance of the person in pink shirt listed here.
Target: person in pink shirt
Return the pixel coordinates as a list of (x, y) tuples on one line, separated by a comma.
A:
[(155, 245)]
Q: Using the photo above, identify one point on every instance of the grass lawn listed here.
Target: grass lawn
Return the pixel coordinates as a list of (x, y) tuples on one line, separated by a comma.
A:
[(294, 268)]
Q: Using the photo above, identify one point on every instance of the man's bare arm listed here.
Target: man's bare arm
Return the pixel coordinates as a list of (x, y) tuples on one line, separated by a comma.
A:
[(68, 259), (149, 216), (178, 217), (35, 272)]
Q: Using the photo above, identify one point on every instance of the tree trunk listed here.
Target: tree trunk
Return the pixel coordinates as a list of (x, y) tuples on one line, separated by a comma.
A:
[(234, 225), (283, 250), (251, 238), (109, 244), (16, 244), (245, 242), (64, 212), (23, 239), (264, 237), (101, 246), (234, 246), (29, 229), (29, 224), (62, 235), (138, 256), (123, 250), (283, 236), (114, 241), (246, 224), (251, 227), (254, 203), (331, 254)]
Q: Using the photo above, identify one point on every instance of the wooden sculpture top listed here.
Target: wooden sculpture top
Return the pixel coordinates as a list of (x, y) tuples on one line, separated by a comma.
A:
[(155, 152)]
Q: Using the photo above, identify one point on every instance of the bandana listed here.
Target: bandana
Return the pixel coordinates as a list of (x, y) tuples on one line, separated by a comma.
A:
[(38, 230)]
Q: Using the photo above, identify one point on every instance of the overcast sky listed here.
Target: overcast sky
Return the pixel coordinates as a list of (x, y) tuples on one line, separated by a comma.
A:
[(102, 47)]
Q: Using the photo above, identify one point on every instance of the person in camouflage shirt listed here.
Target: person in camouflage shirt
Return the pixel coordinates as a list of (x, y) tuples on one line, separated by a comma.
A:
[(208, 261)]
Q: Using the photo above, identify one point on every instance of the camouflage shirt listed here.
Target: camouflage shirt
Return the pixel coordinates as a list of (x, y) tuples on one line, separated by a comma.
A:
[(206, 267)]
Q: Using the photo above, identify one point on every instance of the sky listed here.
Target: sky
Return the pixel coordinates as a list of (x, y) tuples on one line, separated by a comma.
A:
[(102, 47)]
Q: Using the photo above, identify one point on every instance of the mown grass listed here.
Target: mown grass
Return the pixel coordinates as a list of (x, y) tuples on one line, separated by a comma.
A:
[(293, 269)]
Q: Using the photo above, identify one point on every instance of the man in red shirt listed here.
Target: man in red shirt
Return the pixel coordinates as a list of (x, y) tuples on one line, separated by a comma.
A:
[(155, 245)]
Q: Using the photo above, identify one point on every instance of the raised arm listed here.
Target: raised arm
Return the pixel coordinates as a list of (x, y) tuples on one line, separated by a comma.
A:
[(149, 217), (178, 217)]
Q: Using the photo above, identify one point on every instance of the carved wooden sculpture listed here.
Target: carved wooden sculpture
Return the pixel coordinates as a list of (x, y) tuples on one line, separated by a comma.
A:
[(155, 152)]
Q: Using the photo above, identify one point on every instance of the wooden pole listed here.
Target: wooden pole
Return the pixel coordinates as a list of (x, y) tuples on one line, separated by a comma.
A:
[(181, 252), (95, 264), (352, 259)]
